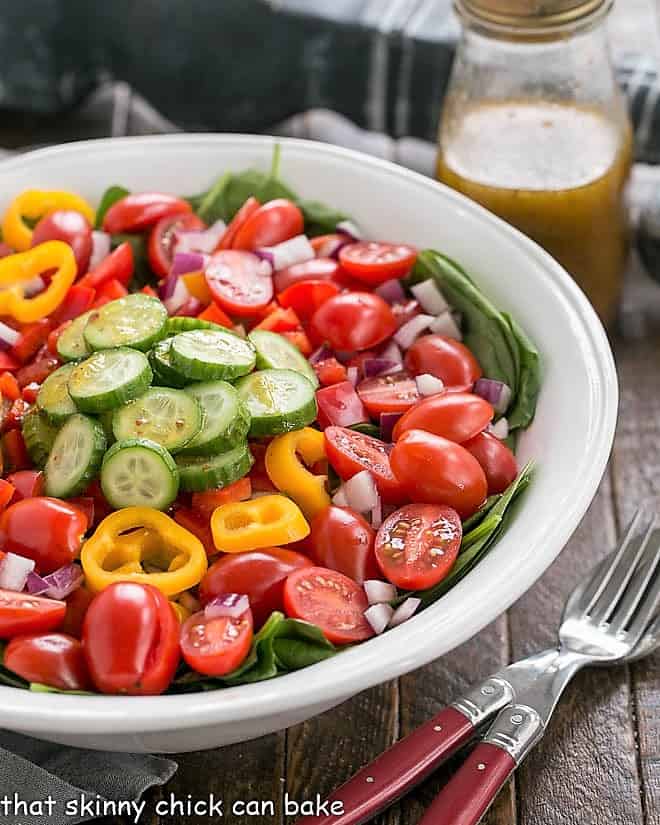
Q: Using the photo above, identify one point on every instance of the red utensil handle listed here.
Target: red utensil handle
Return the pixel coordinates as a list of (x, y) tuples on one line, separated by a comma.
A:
[(473, 788), (397, 770)]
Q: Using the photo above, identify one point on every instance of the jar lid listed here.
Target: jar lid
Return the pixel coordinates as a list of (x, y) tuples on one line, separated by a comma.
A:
[(530, 14)]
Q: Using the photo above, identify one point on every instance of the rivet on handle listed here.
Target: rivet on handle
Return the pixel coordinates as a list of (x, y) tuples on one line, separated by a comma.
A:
[(481, 766)]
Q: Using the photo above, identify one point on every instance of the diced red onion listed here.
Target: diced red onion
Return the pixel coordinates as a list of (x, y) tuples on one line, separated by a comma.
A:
[(174, 293), (429, 384), (101, 243), (387, 422), (495, 392), (391, 291), (57, 585), (239, 329), (191, 308), (34, 286), (361, 492), (190, 603), (167, 286), (446, 325), (344, 356), (205, 240), (14, 571), (36, 585), (321, 354), (294, 251), (379, 592), (430, 298), (350, 229), (340, 498), (404, 611), (232, 605), (372, 367), (406, 335), (184, 262), (8, 336), (376, 514), (392, 352), (379, 616), (500, 429), (331, 246), (353, 375)]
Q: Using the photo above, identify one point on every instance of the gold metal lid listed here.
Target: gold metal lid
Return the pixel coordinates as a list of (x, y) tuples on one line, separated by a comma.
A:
[(530, 14)]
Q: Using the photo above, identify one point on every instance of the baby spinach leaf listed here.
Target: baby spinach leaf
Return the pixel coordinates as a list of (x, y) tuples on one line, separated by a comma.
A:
[(142, 273), (366, 428), (482, 512), (319, 218), (108, 199), (36, 687), (520, 415)]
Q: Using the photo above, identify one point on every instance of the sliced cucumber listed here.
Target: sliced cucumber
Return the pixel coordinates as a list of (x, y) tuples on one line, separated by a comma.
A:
[(165, 375), (75, 457), (275, 352), (208, 354), (109, 378), (39, 435), (139, 473), (71, 345), (184, 323), (169, 417), (199, 473), (105, 419), (278, 400), (226, 418), (53, 398), (136, 321)]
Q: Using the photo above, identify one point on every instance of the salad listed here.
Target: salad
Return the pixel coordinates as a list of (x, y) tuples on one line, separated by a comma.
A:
[(237, 436)]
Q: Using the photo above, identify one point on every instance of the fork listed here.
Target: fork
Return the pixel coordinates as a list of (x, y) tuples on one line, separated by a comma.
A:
[(607, 619)]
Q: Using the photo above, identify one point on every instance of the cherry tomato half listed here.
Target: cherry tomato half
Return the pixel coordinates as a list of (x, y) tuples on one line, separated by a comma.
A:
[(388, 393), (72, 228), (354, 321), (496, 460), (161, 239), (416, 546), (343, 540), (457, 416), (329, 600), (259, 574), (437, 471), (445, 358), (47, 530), (216, 646), (318, 269), (305, 297), (249, 207), (239, 281), (135, 213), (274, 222), (350, 452), (53, 659), (131, 640), (21, 613), (374, 262)]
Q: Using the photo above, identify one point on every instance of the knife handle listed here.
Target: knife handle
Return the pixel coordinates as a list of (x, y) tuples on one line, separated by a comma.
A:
[(397, 770)]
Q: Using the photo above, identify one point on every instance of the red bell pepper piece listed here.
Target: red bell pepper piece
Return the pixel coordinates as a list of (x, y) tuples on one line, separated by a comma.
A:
[(281, 320), (205, 503), (37, 371), (33, 337), (29, 393), (6, 493), (9, 386), (7, 362), (14, 451), (117, 266), (78, 299), (216, 315), (14, 417), (109, 291), (26, 483), (330, 371), (299, 339), (198, 526), (149, 290)]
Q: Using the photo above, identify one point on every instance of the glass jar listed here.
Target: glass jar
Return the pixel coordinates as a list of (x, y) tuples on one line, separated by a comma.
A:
[(535, 129)]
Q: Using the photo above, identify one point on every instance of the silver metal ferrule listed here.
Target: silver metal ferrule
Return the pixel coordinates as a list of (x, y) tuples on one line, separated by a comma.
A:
[(516, 730), (484, 700)]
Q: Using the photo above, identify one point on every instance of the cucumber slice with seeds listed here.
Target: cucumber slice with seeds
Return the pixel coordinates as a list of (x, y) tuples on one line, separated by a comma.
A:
[(207, 354), (169, 417), (226, 418), (275, 352), (75, 457), (165, 375), (136, 321), (139, 473), (53, 398), (71, 345), (184, 323), (278, 400), (109, 378), (199, 473), (39, 435)]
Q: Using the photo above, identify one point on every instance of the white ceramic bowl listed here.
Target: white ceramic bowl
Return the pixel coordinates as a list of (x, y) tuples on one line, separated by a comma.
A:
[(570, 437)]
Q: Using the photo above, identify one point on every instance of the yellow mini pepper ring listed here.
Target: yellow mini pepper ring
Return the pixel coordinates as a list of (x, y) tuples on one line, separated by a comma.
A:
[(262, 522), (34, 204), (291, 476), (142, 545), (18, 270)]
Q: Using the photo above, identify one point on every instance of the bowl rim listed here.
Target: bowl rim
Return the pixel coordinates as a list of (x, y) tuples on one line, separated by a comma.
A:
[(359, 668)]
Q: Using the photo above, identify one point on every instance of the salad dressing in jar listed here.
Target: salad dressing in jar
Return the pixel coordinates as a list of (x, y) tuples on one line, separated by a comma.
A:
[(535, 131)]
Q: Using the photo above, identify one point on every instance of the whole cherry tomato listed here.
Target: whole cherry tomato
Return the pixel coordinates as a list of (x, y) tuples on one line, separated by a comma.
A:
[(161, 246), (329, 600), (350, 452), (374, 262), (318, 269), (53, 659), (70, 227), (445, 358), (274, 222), (434, 470), (47, 530), (134, 213), (457, 416), (396, 392), (343, 540), (218, 645), (259, 574), (239, 281), (353, 321), (21, 613), (131, 640), (417, 546), (77, 605), (496, 460)]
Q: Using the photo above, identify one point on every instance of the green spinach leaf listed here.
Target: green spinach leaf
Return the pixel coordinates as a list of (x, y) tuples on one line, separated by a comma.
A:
[(319, 218), (108, 199), (36, 687), (142, 272), (520, 415), (366, 428)]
